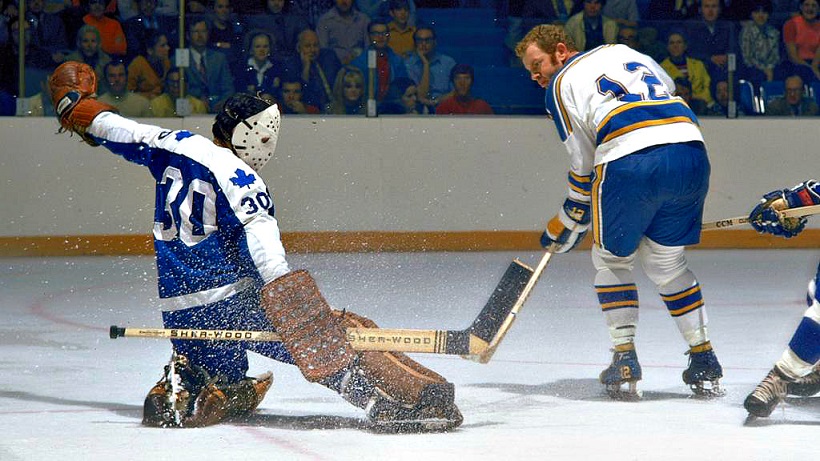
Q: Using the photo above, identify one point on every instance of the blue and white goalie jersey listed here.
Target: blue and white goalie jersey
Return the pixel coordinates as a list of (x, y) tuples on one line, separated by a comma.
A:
[(214, 228), (613, 101)]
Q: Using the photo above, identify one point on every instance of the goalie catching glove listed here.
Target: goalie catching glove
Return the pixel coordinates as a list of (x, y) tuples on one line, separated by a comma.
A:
[(567, 228), (766, 219), (73, 87)]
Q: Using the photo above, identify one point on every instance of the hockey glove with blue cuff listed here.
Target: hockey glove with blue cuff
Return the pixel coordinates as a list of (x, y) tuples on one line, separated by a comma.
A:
[(567, 228), (765, 219)]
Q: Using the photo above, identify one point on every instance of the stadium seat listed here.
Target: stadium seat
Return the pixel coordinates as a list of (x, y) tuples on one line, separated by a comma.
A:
[(771, 90), (482, 55), (509, 90), (749, 101)]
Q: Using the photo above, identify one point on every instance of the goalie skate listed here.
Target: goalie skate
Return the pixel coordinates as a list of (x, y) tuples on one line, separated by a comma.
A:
[(704, 372), (624, 371), (435, 412)]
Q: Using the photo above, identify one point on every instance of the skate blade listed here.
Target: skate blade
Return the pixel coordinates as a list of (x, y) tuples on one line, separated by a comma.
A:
[(628, 394), (409, 426), (708, 389)]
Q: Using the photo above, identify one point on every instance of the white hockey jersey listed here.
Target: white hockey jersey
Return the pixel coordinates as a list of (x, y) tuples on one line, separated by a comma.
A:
[(214, 228), (613, 101)]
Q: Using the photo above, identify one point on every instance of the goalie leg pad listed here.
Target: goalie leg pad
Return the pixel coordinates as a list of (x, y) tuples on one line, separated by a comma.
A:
[(393, 373), (312, 334)]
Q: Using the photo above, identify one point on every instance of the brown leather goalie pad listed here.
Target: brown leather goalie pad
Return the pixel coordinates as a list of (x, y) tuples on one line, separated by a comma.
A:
[(393, 373), (315, 338)]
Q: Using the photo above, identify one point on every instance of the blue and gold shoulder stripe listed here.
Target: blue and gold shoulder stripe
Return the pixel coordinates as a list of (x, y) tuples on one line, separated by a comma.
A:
[(641, 114), (552, 100)]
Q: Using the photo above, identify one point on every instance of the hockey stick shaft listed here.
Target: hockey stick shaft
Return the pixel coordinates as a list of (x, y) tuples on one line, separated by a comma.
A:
[(789, 213), (362, 339)]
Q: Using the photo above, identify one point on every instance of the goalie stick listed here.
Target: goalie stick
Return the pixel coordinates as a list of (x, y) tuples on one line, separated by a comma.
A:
[(484, 332), (798, 212), (477, 342)]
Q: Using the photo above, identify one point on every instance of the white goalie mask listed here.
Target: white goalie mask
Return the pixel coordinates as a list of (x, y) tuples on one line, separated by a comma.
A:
[(254, 139)]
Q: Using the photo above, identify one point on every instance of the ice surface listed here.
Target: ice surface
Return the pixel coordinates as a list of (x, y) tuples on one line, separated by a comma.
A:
[(69, 392)]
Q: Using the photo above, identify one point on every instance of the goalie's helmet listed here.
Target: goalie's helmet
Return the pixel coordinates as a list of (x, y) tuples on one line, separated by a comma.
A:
[(250, 125)]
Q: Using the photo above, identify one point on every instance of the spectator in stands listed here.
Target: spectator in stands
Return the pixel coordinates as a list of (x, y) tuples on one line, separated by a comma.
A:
[(291, 98), (130, 8), (631, 37), (146, 73), (679, 64), (525, 14), (164, 105), (317, 67), (794, 103), (381, 9), (262, 74), (40, 104), (128, 103), (721, 106), (428, 68), (759, 46), (590, 28), (402, 98), (47, 30), (672, 10), (348, 92), (112, 36), (283, 24), (344, 30), (711, 39), (227, 34), (683, 88), (801, 35), (401, 31), (147, 21), (461, 100), (624, 12), (389, 65), (38, 62), (312, 10), (209, 77), (89, 51)]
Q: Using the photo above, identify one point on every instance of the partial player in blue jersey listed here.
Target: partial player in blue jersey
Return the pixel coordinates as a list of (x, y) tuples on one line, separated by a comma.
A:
[(797, 372), (638, 179), (221, 264)]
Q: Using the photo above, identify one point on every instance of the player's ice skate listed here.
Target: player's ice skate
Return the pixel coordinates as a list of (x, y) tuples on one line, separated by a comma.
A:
[(624, 370), (770, 392), (806, 386), (704, 371)]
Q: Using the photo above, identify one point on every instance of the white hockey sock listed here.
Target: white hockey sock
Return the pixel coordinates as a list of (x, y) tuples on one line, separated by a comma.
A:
[(618, 296), (684, 302)]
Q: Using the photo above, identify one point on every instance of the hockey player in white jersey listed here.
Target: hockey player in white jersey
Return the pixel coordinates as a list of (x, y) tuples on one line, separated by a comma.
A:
[(222, 264), (638, 177), (797, 372)]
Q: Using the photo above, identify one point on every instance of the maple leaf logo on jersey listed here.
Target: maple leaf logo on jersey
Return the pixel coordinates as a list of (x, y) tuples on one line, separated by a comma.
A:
[(243, 179)]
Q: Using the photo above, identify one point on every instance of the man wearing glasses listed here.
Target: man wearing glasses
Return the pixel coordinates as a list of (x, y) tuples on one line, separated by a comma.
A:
[(389, 65), (430, 70)]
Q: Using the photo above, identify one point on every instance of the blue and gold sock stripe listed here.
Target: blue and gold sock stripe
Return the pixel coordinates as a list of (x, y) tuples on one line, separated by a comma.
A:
[(617, 296), (579, 184), (683, 302)]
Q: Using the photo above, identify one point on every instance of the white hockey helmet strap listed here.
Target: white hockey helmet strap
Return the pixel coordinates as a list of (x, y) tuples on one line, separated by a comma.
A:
[(254, 138)]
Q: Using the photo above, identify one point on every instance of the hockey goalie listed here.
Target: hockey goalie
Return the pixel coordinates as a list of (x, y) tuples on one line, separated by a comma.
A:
[(221, 262)]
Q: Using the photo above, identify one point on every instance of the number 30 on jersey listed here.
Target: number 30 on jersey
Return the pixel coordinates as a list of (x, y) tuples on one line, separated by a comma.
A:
[(196, 211)]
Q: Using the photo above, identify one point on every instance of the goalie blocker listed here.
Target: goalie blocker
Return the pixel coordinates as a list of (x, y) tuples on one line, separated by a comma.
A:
[(398, 393)]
